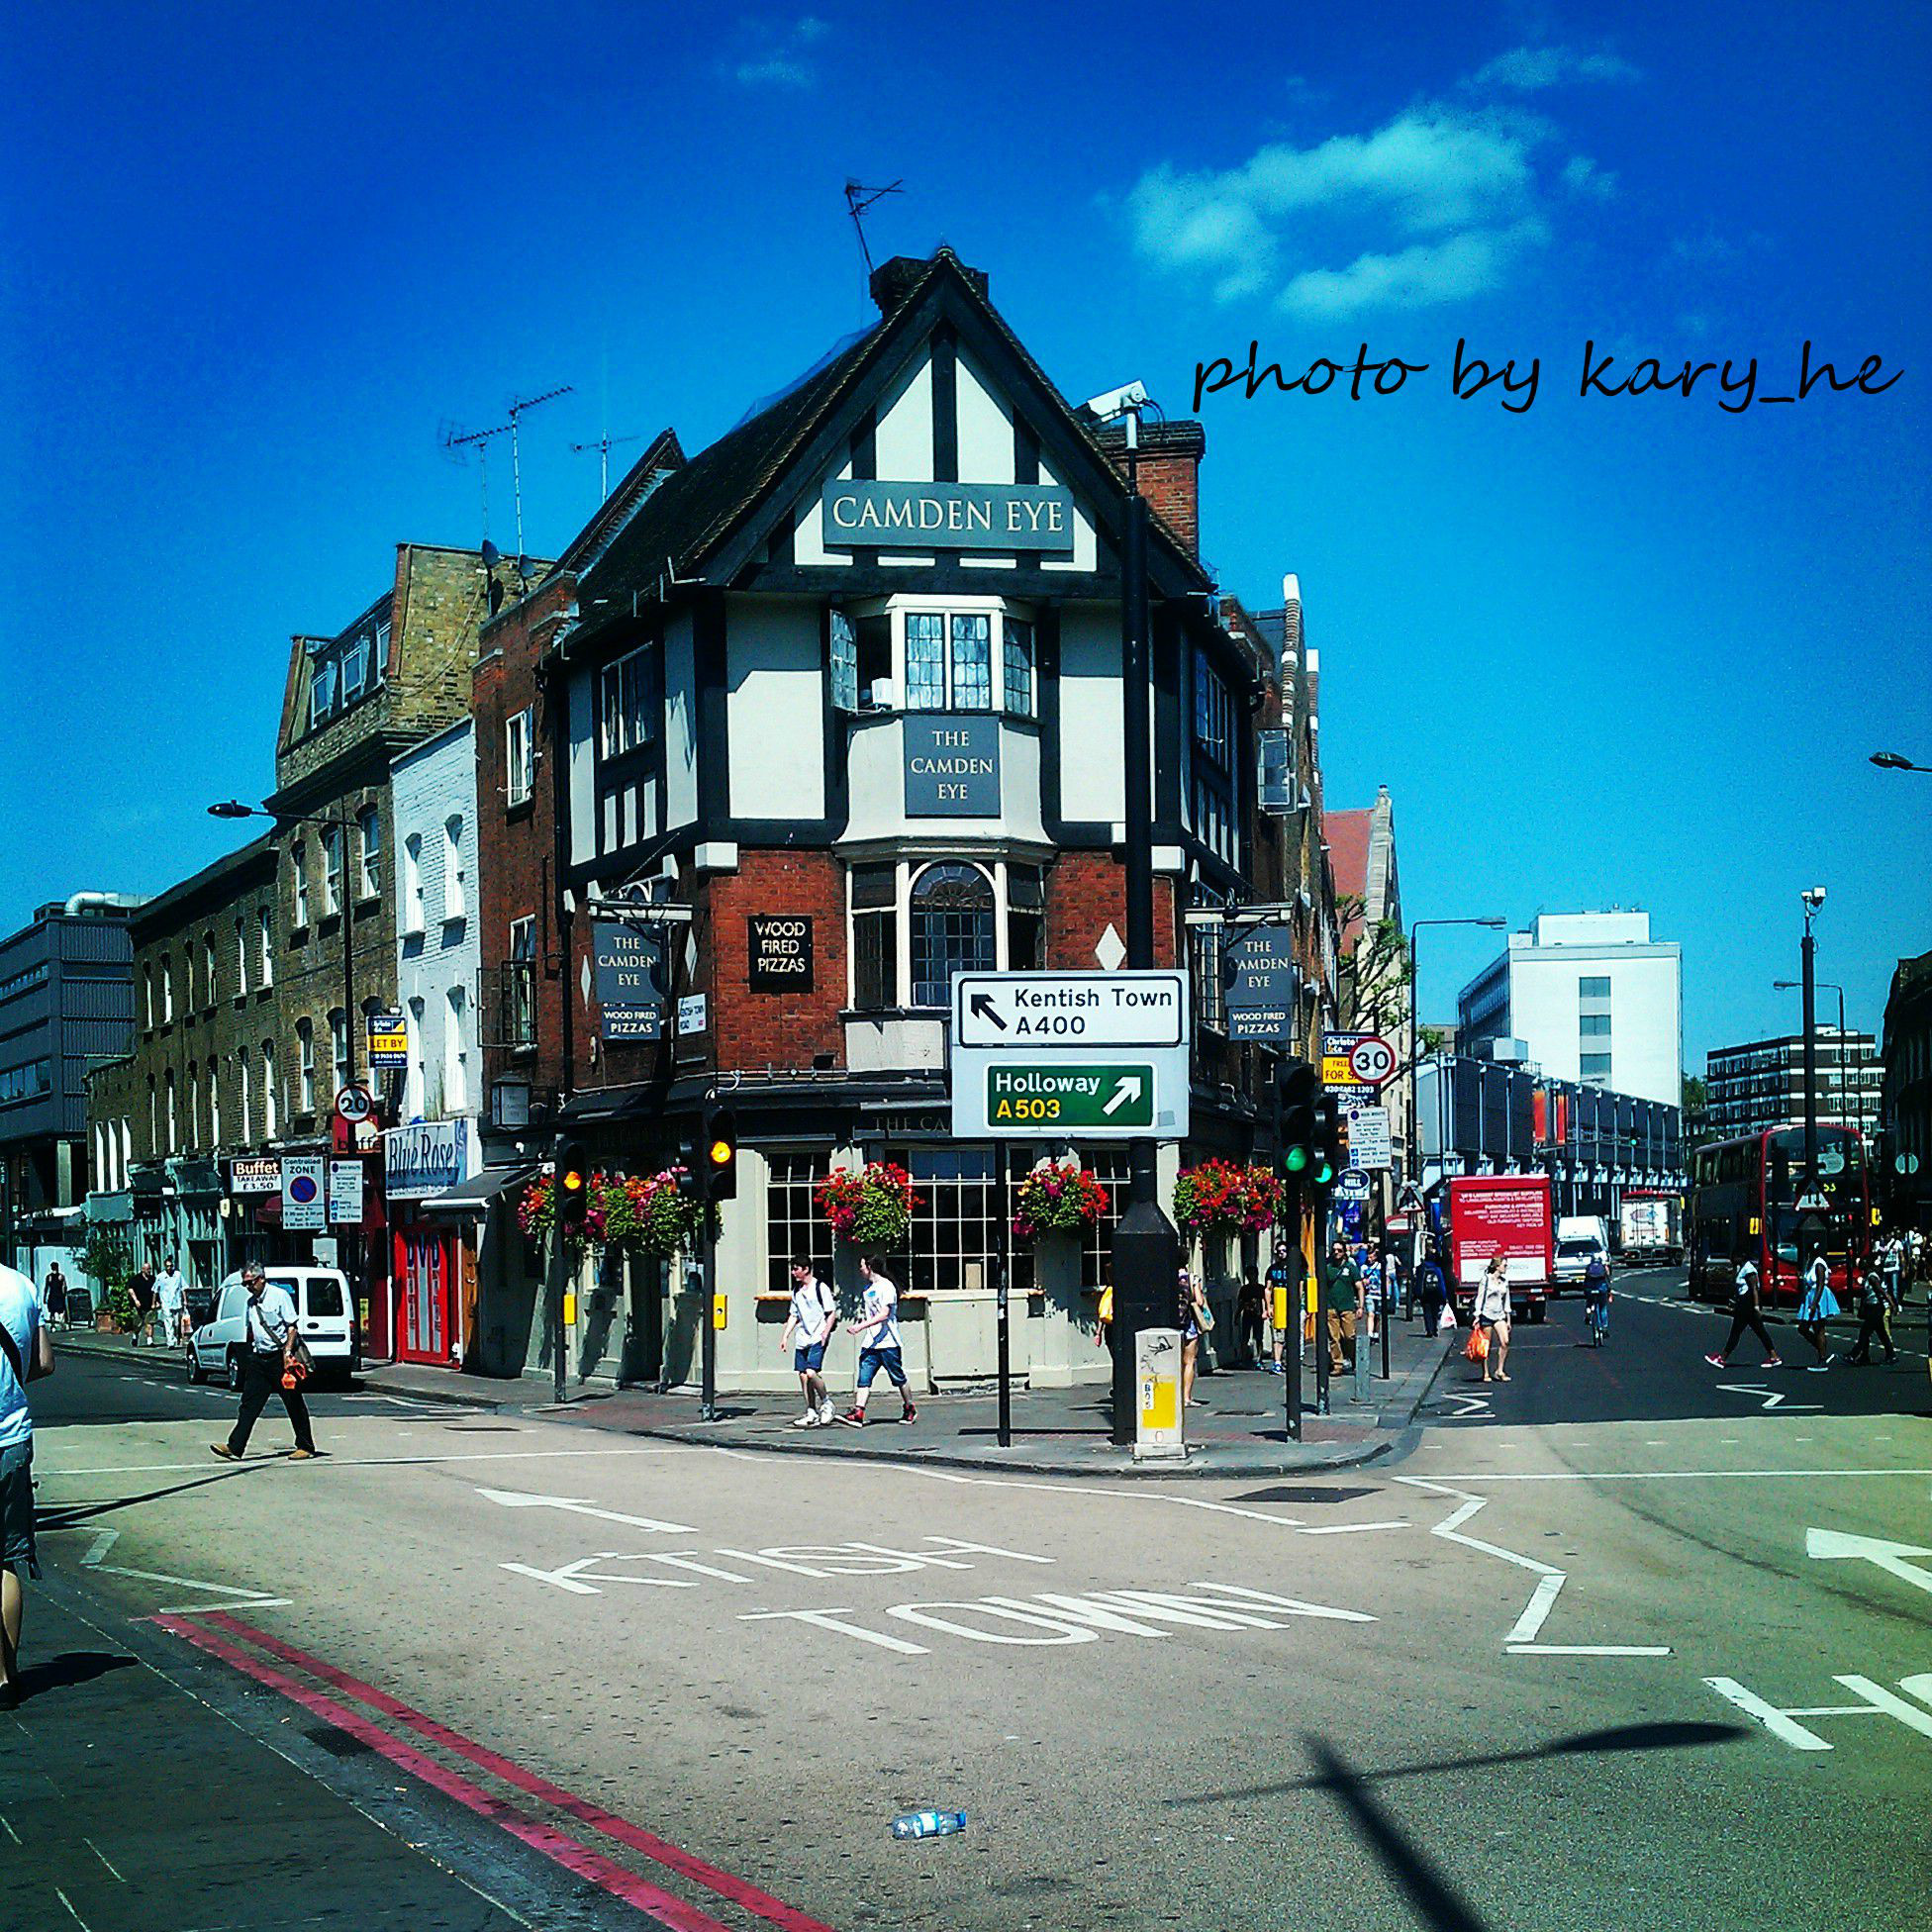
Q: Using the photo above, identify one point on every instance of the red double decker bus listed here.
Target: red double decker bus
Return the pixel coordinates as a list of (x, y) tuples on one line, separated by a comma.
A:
[(1742, 1203)]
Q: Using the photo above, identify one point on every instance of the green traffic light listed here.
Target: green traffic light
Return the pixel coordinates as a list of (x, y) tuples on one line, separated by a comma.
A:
[(1323, 1175), (1298, 1159)]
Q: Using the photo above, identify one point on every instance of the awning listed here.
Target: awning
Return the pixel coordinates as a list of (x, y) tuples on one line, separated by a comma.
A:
[(472, 1198)]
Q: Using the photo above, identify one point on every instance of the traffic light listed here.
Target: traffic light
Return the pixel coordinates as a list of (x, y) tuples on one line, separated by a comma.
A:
[(1296, 1088), (1328, 1138), (574, 1183), (717, 1153)]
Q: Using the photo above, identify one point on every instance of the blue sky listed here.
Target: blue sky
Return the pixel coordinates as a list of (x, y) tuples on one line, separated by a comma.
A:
[(1627, 650)]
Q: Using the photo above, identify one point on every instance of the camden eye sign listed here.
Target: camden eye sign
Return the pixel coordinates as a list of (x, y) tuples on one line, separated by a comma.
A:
[(952, 766), (630, 981), (999, 517)]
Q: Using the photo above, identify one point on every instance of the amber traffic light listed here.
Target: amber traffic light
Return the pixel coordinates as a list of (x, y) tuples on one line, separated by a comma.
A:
[(717, 1153), (574, 1183)]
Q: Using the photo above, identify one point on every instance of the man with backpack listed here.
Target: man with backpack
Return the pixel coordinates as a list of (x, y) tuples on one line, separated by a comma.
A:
[(807, 1328)]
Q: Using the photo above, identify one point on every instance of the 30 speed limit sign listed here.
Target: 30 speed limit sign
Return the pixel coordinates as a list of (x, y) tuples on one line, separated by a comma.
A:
[(1350, 1060)]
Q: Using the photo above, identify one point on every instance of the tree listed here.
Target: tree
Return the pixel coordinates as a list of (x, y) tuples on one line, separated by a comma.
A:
[(1374, 990)]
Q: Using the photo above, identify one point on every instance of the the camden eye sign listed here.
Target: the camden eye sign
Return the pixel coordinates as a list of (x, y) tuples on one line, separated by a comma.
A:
[(1008, 517), (952, 766)]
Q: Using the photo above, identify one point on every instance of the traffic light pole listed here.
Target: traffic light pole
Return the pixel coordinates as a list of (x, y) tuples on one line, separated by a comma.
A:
[(1294, 1306), (708, 1319), (1319, 1196)]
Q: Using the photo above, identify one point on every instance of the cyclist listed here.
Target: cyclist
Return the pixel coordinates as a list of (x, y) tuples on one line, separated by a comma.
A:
[(1597, 1299)]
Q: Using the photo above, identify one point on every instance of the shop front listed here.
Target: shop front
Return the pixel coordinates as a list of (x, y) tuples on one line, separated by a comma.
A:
[(433, 1268)]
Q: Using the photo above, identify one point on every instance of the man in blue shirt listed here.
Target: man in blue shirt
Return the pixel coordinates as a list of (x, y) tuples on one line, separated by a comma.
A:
[(26, 1354)]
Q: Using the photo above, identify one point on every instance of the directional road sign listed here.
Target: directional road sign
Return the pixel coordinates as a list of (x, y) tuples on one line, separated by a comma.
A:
[(1050, 1056), (1077, 1010)]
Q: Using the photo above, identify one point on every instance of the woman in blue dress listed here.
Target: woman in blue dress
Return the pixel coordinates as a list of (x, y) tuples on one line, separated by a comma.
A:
[(1817, 1305)]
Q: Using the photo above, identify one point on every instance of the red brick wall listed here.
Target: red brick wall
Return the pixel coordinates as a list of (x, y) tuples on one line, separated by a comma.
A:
[(516, 872), (1170, 483), (780, 1030), (1085, 892)]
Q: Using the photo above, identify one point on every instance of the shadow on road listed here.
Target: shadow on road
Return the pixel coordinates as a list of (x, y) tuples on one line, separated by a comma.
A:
[(1435, 1901), (72, 1515), (70, 1667)]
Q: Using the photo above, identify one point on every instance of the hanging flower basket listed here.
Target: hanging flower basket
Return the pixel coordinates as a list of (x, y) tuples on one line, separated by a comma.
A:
[(1220, 1198), (1057, 1199), (649, 1214), (870, 1208), (640, 1213)]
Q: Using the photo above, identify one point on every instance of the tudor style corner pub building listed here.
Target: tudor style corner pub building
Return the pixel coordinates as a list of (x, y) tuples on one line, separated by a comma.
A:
[(848, 686)]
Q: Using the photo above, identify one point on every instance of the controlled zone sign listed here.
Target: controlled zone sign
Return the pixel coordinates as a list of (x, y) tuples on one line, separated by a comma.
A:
[(1045, 1056)]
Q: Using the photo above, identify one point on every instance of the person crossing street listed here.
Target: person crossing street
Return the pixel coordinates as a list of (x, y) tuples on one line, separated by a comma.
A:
[(1745, 1314), (273, 1350)]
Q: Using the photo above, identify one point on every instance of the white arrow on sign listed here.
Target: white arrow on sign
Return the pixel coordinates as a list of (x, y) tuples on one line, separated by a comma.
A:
[(1130, 1089), (517, 1499), (1874, 1549)]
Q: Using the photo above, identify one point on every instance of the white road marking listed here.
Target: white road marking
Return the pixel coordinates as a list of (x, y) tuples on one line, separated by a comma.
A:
[(1655, 1474), (1542, 1599), (1888, 1557), (834, 1620), (8, 1830), (1773, 1397), (521, 1500), (102, 1855), (69, 1904), (1877, 1703)]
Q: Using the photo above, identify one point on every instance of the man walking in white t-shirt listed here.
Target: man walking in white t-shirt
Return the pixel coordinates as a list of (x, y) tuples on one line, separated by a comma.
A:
[(26, 1354), (807, 1328), (878, 1331)]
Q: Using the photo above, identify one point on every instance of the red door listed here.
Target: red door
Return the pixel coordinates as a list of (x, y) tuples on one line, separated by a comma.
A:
[(425, 1282)]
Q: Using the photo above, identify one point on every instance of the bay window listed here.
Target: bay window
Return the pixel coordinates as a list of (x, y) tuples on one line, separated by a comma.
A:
[(952, 930), (915, 926), (949, 659)]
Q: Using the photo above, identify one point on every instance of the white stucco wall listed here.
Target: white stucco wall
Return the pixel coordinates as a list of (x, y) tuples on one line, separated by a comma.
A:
[(1091, 785), (680, 723), (1645, 1007), (433, 785), (777, 704)]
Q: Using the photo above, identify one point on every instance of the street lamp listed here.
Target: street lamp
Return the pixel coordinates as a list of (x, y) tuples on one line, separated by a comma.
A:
[(235, 809), (1813, 899), (1145, 1248), (1832, 986), (1896, 761)]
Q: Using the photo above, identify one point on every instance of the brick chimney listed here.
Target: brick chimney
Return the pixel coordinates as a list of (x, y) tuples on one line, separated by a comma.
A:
[(892, 281), (1169, 466)]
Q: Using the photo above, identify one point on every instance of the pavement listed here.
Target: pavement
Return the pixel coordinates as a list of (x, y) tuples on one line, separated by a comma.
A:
[(1235, 1428)]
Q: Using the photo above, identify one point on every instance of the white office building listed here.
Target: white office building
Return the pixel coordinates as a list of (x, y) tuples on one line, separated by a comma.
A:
[(1586, 997)]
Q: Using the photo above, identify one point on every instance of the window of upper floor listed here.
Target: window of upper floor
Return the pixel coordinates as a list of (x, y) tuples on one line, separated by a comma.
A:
[(629, 702), (914, 925), (915, 653), (346, 670), (519, 756)]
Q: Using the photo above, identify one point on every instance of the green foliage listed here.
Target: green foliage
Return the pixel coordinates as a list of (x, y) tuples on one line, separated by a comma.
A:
[(107, 1259)]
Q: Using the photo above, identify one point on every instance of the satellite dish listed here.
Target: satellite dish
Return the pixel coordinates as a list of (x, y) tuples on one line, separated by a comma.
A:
[(492, 557)]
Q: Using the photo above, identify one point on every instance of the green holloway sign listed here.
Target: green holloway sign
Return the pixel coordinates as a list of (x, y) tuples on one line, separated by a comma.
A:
[(995, 517), (1043, 1094)]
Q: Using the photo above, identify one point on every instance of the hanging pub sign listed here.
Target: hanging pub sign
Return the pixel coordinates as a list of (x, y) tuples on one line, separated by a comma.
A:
[(997, 517), (630, 981), (952, 765), (779, 947)]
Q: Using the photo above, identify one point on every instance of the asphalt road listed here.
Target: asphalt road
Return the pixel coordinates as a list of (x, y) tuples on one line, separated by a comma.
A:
[(1540, 1671)]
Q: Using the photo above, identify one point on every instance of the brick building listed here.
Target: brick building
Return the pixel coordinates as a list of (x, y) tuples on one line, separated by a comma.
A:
[(742, 691), (354, 703), (200, 1082)]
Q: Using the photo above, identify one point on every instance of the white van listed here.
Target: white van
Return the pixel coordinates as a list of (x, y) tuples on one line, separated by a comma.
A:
[(325, 1319)]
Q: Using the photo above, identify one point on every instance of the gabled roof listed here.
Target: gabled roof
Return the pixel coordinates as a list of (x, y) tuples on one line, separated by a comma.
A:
[(691, 514), (661, 458)]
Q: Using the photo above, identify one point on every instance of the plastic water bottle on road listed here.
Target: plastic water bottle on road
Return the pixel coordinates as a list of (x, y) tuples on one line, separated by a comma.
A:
[(927, 1824)]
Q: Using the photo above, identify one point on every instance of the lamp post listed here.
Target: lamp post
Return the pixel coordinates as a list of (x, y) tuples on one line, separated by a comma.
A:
[(1896, 761), (1146, 1251), (235, 809), (1832, 986), (1813, 899)]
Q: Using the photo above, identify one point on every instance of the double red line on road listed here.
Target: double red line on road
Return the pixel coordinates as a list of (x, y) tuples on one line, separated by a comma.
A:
[(662, 1907)]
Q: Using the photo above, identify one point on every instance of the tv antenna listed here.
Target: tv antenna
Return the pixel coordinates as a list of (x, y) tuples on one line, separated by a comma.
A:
[(858, 198), (457, 443), (603, 445)]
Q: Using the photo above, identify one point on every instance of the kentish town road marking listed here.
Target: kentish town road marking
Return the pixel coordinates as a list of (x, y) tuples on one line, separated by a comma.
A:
[(520, 1500)]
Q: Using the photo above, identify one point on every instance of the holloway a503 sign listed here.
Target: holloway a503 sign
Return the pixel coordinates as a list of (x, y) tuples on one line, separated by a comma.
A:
[(1009, 517)]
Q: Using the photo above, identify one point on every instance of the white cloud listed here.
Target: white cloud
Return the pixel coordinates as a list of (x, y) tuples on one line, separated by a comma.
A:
[(1454, 197), (1530, 70), (1581, 176), (775, 54)]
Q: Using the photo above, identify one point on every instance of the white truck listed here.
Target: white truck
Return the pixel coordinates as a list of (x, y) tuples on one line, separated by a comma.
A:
[(1651, 1228)]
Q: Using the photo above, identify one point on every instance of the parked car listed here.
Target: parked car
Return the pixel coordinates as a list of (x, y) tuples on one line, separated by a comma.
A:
[(325, 1318)]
